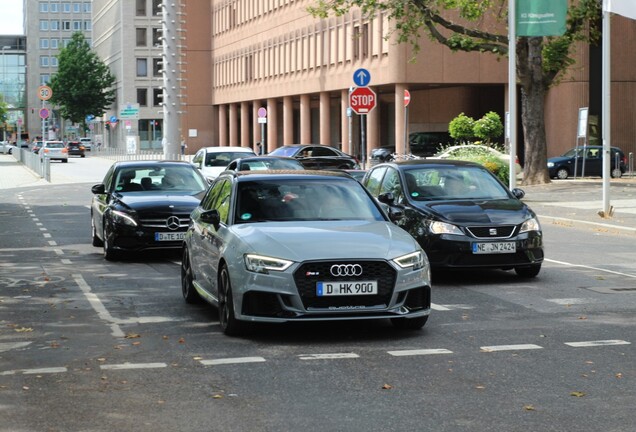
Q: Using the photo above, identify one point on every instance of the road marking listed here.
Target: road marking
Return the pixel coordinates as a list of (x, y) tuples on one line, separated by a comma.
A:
[(419, 352), (66, 261), (439, 307), (333, 356), (49, 370), (52, 243), (46, 235), (591, 268), (7, 346), (237, 360), (98, 306), (148, 320), (598, 343), (125, 366), (58, 251), (519, 347), (571, 301)]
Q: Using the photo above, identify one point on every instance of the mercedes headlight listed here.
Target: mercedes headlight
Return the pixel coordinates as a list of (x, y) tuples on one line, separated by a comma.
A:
[(122, 218)]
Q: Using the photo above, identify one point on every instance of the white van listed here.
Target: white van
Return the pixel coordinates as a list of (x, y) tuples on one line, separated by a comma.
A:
[(212, 161), (87, 143)]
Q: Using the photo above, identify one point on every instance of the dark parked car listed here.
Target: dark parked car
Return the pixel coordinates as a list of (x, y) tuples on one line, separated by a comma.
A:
[(317, 156), (461, 214), (586, 161), (261, 163), (75, 148), (144, 205), (273, 246)]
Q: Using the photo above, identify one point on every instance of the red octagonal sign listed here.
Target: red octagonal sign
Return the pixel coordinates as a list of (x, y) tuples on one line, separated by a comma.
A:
[(362, 100)]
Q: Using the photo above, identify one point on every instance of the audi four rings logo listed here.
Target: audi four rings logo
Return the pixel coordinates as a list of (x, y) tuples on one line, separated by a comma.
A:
[(173, 223), (346, 270)]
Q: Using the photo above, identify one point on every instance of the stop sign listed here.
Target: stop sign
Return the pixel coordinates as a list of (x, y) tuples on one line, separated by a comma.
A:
[(362, 100)]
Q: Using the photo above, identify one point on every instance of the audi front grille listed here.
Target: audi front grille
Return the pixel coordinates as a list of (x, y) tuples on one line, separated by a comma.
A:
[(309, 273)]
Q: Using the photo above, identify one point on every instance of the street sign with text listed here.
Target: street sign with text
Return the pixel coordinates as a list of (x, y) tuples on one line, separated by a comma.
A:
[(362, 100)]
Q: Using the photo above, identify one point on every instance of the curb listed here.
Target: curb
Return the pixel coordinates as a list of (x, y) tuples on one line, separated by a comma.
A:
[(574, 223)]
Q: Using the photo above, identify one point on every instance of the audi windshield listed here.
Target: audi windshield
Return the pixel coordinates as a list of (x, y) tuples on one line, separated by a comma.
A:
[(304, 199)]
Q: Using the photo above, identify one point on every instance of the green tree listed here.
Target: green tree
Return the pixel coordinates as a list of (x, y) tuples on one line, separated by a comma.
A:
[(83, 84), (541, 61), (461, 128), (488, 127), (4, 116)]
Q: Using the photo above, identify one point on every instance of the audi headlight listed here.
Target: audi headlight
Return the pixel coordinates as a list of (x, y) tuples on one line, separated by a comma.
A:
[(530, 225), (444, 228), (122, 218), (415, 260), (265, 264)]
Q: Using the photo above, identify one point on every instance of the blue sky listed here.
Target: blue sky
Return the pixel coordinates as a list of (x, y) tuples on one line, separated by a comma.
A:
[(11, 17)]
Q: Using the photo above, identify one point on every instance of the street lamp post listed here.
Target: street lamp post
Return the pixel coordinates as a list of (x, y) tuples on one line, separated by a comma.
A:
[(4, 85)]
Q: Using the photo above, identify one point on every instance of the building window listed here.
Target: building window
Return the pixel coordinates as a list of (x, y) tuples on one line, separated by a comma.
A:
[(55, 43), (65, 42), (44, 43), (88, 7), (44, 7), (66, 25), (77, 7), (44, 61), (157, 64), (44, 25), (140, 36), (156, 7), (88, 25), (142, 67), (156, 37), (141, 7), (54, 25), (77, 25), (54, 62), (142, 97), (44, 78), (55, 7), (157, 97), (66, 7)]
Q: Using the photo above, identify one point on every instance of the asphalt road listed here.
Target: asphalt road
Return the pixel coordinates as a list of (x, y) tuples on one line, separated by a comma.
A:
[(89, 345)]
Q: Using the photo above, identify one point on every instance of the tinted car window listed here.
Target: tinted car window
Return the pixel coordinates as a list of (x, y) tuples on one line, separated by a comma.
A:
[(392, 184), (374, 180)]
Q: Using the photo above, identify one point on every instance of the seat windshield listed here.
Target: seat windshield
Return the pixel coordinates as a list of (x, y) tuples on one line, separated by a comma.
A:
[(304, 199), (453, 182)]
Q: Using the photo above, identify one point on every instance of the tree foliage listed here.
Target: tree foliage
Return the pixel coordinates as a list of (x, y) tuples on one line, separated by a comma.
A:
[(462, 25), (83, 84), (4, 110), (489, 127), (461, 128)]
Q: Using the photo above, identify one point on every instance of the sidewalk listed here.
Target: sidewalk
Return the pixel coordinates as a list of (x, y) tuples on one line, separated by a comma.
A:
[(573, 203)]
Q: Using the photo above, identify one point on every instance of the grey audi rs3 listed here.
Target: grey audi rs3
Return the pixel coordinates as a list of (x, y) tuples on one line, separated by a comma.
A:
[(281, 246)]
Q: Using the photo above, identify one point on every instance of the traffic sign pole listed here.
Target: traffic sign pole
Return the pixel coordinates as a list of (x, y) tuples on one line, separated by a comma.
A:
[(407, 101)]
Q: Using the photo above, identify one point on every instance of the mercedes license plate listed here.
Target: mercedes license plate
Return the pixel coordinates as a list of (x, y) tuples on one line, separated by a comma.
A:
[(343, 288), (494, 248), (169, 236)]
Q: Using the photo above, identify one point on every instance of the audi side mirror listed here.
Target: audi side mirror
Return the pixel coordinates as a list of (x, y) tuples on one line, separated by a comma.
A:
[(211, 217)]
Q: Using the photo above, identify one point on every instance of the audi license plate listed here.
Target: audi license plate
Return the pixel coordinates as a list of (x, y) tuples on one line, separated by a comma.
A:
[(169, 236), (494, 248), (342, 288)]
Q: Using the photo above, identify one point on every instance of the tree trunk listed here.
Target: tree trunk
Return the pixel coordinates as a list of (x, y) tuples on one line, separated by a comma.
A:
[(534, 87)]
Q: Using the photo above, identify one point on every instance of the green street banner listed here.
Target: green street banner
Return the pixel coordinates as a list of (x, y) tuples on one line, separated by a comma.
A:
[(541, 17)]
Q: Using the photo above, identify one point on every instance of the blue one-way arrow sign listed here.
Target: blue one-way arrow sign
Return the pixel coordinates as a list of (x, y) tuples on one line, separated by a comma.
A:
[(361, 77)]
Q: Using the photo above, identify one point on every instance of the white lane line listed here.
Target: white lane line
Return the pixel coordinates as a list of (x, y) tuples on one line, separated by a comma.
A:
[(125, 366), (58, 251), (633, 276), (332, 356), (39, 224), (419, 352), (571, 301), (519, 347), (52, 243), (237, 360), (36, 220), (47, 235), (98, 306), (35, 371), (7, 346), (66, 261), (43, 229), (439, 307), (598, 343), (148, 320)]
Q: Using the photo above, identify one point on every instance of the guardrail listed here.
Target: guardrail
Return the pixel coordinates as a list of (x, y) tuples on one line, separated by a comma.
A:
[(32, 161), (117, 154)]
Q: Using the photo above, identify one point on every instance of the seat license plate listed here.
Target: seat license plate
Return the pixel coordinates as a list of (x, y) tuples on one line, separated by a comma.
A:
[(494, 248), (343, 288), (169, 236)]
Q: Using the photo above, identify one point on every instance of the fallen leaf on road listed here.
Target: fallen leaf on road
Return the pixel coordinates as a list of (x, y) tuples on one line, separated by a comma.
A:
[(387, 387), (529, 407), (132, 336), (217, 396), (24, 329), (181, 340), (577, 394), (619, 375)]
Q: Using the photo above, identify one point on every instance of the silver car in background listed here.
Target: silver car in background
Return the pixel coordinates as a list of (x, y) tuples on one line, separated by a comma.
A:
[(54, 150), (277, 246)]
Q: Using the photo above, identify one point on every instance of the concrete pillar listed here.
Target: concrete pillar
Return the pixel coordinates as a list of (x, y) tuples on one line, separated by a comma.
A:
[(288, 120), (245, 126), (233, 126), (272, 124), (325, 118), (305, 119), (373, 127), (400, 116), (223, 125), (345, 132), (257, 127)]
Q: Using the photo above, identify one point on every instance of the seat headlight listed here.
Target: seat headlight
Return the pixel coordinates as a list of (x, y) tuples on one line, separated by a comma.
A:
[(122, 218), (530, 225), (550, 164), (265, 264), (444, 228), (415, 260)]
